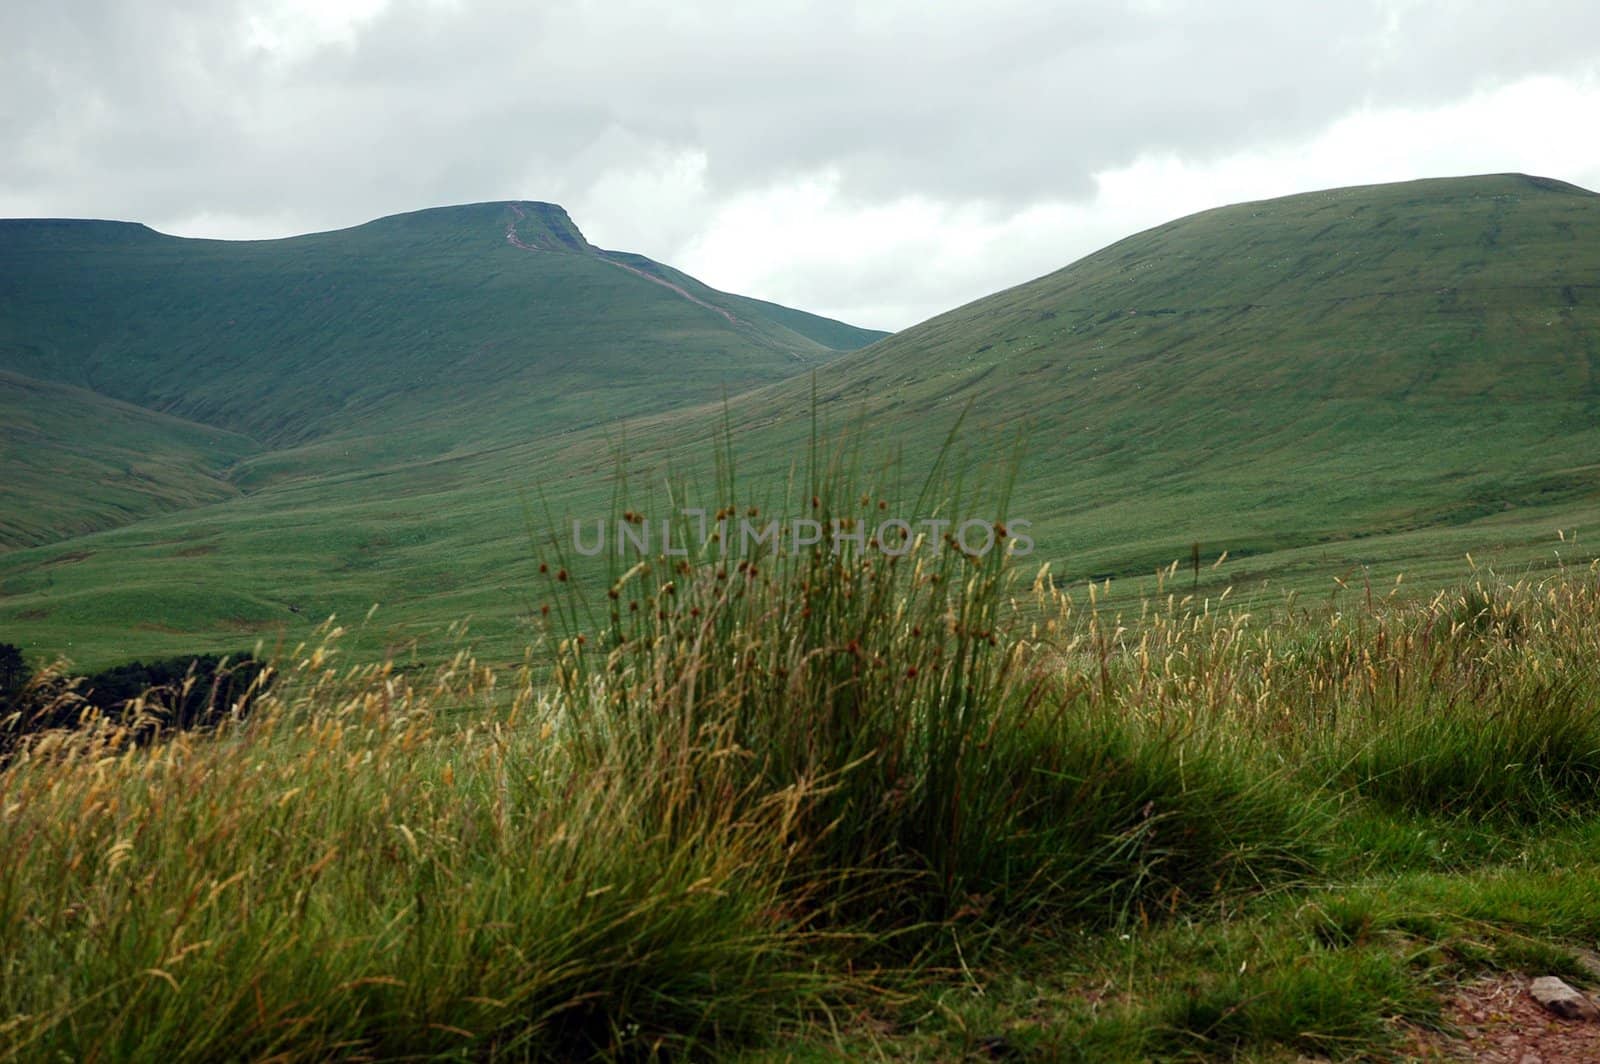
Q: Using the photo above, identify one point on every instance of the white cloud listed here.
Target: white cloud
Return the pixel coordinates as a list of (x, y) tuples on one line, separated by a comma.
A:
[(292, 29), (657, 199), (877, 161), (891, 264)]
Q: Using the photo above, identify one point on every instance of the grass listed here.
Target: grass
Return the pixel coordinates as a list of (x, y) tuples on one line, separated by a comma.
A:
[(364, 882), (969, 774), (122, 461), (1341, 385), (821, 805)]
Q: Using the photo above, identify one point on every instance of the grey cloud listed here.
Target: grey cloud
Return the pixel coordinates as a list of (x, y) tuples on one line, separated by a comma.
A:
[(166, 111)]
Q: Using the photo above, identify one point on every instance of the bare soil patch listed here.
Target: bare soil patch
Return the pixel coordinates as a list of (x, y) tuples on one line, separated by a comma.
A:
[(1499, 1023)]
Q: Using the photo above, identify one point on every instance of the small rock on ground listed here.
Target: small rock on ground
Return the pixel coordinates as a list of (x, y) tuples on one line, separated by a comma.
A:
[(1498, 1022), (1557, 997)]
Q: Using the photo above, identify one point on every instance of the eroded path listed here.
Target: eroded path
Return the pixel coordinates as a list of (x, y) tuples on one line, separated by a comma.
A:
[(1496, 1022), (518, 214)]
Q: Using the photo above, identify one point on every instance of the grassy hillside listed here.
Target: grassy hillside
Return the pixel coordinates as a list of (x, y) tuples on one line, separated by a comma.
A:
[(1274, 375), (1363, 380), (72, 461), (410, 336)]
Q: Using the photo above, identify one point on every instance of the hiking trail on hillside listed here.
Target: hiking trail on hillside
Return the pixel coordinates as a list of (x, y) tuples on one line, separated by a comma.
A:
[(517, 242)]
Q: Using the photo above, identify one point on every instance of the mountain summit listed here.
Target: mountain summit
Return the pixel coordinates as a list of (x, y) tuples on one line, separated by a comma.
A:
[(417, 335)]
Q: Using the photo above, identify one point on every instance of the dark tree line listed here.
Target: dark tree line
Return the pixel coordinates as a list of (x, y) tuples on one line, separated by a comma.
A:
[(179, 693), (14, 672)]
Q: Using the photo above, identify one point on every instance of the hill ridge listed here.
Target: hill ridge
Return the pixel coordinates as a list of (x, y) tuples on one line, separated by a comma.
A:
[(555, 225), (434, 332), (1357, 361), (1328, 385)]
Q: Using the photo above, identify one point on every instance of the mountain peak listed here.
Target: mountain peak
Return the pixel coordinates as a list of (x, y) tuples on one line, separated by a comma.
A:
[(536, 226), (532, 224), (1421, 191)]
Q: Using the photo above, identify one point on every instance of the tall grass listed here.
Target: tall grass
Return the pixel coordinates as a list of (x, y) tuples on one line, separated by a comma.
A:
[(341, 876), (953, 770), (727, 780), (1480, 701)]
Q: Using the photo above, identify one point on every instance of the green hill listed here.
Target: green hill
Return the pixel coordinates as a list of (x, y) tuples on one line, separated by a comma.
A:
[(412, 336), (1379, 378), (1279, 374), (74, 461)]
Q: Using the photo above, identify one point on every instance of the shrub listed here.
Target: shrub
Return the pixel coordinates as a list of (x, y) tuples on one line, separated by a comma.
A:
[(144, 700), (14, 671)]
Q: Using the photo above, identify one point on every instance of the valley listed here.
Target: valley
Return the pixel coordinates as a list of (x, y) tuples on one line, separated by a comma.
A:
[(1360, 384)]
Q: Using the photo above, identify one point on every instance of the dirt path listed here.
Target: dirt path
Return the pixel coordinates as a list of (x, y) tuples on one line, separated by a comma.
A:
[(511, 229), (1501, 1024), (664, 283), (517, 242)]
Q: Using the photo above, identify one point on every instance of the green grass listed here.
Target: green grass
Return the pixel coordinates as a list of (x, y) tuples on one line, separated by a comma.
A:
[(835, 807), (1347, 385), (460, 890), (76, 462), (821, 805)]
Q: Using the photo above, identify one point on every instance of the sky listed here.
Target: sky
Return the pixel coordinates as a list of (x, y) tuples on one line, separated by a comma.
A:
[(879, 162)]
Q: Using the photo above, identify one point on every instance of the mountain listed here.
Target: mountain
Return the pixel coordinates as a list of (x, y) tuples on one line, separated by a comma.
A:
[(1376, 379), (1269, 376), (409, 337)]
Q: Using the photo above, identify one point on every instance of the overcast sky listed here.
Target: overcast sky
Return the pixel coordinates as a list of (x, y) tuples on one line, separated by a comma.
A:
[(875, 161)]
